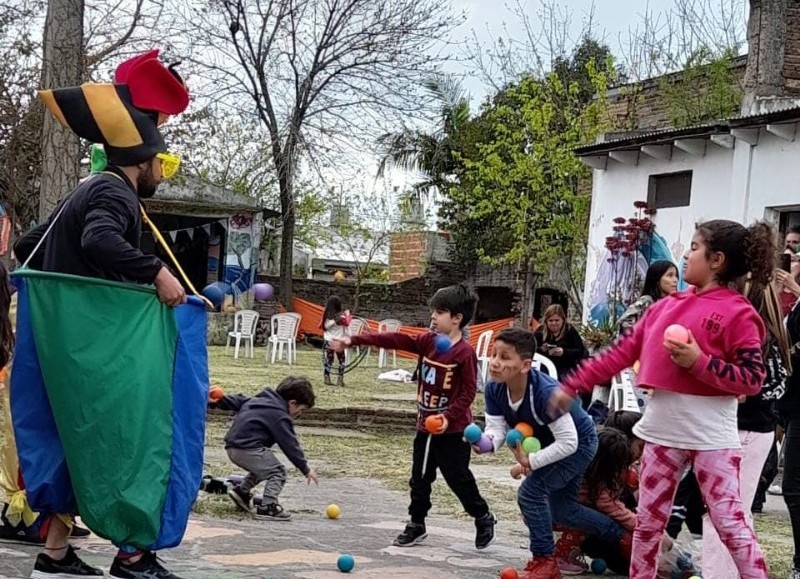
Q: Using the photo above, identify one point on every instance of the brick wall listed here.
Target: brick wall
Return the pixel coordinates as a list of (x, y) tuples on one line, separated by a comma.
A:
[(791, 58), (643, 106), (407, 255)]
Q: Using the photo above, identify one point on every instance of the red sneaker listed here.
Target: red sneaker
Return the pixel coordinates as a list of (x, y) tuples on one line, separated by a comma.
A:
[(541, 568)]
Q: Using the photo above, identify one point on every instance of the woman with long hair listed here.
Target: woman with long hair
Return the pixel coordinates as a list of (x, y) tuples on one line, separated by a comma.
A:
[(559, 340)]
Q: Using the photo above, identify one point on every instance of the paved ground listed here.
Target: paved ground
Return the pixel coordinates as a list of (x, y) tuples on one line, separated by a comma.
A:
[(308, 546)]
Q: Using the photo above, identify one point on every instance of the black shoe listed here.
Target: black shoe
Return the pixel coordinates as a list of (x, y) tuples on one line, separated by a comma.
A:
[(147, 567), (19, 534), (271, 512), (414, 534), (70, 566), (242, 499), (79, 532), (484, 531)]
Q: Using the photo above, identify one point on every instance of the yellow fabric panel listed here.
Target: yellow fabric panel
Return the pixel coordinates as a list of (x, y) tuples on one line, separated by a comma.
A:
[(52, 106), (111, 116)]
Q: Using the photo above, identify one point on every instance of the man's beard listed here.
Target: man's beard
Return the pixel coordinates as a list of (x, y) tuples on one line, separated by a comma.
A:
[(146, 183)]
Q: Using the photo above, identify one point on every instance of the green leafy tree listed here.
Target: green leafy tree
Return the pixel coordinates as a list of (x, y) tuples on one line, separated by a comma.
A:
[(519, 201)]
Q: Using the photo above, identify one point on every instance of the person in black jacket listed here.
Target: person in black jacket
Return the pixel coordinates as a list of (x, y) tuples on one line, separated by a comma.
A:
[(95, 232), (789, 415), (559, 340), (263, 421)]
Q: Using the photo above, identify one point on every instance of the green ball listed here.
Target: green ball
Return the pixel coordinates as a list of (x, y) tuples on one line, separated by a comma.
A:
[(531, 444)]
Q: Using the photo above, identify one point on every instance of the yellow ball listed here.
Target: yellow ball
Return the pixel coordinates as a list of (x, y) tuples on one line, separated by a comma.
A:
[(333, 511), (339, 276)]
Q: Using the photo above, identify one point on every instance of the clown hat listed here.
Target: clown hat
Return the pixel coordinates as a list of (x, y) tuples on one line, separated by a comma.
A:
[(123, 117)]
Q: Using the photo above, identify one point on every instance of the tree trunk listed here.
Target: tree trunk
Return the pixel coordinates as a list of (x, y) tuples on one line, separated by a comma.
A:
[(524, 288), (286, 186), (62, 66)]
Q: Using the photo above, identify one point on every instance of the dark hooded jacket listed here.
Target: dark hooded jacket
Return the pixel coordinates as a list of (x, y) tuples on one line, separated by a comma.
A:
[(263, 421)]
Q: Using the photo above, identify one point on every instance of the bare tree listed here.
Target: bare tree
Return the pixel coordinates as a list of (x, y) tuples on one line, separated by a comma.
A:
[(62, 65), (320, 74)]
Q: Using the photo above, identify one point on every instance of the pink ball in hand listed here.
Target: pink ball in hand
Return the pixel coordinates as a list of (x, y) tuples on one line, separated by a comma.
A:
[(677, 333)]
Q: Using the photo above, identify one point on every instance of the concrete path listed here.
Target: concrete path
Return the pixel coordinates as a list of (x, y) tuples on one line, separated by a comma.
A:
[(308, 546)]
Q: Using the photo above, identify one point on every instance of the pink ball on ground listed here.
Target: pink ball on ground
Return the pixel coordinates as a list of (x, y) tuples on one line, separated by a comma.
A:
[(263, 291), (677, 333), (485, 444)]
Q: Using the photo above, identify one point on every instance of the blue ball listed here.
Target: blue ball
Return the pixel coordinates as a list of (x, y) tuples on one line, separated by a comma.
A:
[(514, 437), (215, 292), (472, 433), (442, 343), (346, 563), (598, 566)]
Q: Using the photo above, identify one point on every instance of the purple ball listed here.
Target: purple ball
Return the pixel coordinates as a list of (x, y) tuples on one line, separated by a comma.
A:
[(485, 444), (263, 291)]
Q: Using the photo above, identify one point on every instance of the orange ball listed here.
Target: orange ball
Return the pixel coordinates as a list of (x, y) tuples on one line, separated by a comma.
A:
[(525, 428), (509, 573), (216, 393), (433, 423)]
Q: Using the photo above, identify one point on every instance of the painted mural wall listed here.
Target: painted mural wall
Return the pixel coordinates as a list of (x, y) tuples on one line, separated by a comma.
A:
[(611, 280), (241, 259)]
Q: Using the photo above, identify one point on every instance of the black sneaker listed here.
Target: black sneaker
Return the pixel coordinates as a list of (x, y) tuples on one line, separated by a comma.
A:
[(19, 534), (242, 499), (414, 534), (271, 512), (70, 566), (484, 531), (147, 567), (79, 532)]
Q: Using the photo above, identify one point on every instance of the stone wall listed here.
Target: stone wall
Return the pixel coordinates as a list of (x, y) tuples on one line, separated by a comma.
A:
[(406, 301)]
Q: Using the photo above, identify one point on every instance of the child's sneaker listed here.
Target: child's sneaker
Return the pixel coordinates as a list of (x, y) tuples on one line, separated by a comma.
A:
[(541, 568), (242, 499), (573, 563), (484, 531), (271, 512), (413, 534)]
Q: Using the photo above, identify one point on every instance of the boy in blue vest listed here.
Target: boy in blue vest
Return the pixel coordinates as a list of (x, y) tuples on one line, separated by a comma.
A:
[(519, 394), (446, 389)]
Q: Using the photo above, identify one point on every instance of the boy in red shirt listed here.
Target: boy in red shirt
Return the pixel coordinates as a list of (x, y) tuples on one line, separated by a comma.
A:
[(445, 388)]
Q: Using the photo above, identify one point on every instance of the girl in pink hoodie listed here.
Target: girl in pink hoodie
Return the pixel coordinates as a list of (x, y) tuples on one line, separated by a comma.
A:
[(691, 418)]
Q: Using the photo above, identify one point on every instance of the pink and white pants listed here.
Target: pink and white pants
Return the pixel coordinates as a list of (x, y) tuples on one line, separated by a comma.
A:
[(717, 473)]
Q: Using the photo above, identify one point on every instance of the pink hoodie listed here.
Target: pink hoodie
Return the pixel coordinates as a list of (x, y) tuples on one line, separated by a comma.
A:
[(725, 325)]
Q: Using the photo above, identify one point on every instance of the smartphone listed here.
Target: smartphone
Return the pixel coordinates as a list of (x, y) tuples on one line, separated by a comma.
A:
[(786, 262)]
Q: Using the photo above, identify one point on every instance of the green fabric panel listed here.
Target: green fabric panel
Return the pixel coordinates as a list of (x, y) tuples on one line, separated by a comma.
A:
[(107, 352)]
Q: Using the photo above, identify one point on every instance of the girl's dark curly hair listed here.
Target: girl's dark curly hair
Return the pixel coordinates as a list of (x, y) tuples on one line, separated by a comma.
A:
[(6, 332), (748, 250), (612, 461)]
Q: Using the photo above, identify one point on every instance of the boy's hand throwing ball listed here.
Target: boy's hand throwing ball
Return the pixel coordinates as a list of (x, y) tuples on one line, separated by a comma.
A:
[(312, 476)]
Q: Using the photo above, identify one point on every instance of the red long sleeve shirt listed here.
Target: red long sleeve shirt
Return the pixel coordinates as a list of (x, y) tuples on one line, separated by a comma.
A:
[(447, 380)]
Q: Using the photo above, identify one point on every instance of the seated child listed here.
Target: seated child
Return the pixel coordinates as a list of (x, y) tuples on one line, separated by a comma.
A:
[(516, 394), (262, 421)]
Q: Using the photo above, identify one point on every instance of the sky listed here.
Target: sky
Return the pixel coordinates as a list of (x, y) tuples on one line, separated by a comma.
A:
[(488, 18)]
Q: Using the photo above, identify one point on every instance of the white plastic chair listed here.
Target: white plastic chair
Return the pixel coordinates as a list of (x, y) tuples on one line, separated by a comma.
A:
[(244, 328), (283, 331), (356, 327), (482, 350), (622, 396), (540, 360), (388, 325)]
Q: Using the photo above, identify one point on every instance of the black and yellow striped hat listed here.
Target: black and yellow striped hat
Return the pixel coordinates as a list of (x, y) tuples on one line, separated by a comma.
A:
[(125, 116)]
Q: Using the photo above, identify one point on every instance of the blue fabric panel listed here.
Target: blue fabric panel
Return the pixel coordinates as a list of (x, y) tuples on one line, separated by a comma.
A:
[(41, 455), (190, 395)]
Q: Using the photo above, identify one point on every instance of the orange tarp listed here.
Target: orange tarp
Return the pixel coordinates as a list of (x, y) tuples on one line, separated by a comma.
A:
[(311, 323)]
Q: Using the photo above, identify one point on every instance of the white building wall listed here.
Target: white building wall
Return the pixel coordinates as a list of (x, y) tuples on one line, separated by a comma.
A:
[(774, 177), (616, 188)]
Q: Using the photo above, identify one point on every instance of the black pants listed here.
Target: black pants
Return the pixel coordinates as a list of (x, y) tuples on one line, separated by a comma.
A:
[(791, 481), (688, 508), (450, 454), (768, 474)]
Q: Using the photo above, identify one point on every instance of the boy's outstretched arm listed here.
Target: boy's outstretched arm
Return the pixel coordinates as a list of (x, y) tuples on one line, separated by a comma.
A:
[(387, 340), (286, 439)]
